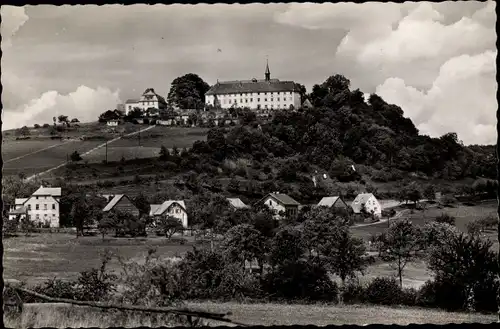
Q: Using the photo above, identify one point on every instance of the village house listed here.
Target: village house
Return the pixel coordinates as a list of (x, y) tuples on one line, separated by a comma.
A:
[(41, 208), (370, 204), (174, 208), (149, 100), (112, 123), (254, 94), (236, 203), (122, 203), (281, 204), (332, 201)]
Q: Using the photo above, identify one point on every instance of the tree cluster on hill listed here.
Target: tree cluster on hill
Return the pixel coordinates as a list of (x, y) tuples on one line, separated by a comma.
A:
[(188, 92), (342, 129)]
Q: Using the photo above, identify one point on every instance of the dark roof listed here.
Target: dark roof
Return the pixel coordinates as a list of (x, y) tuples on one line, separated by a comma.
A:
[(251, 86), (284, 199), (130, 101)]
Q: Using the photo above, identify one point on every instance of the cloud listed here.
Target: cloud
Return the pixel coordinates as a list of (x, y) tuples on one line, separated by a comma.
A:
[(461, 99), (84, 103), (13, 18)]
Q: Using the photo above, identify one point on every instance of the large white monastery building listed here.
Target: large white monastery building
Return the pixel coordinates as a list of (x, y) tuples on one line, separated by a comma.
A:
[(254, 94)]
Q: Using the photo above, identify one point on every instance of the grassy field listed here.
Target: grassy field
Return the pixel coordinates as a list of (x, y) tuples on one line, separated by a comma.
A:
[(63, 316), (43, 256), (166, 136)]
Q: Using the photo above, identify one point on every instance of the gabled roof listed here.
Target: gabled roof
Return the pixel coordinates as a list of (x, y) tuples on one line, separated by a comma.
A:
[(237, 203), (360, 200), (20, 201), (113, 202), (283, 199), (251, 86), (52, 191), (165, 205), (131, 101), (154, 208), (329, 201)]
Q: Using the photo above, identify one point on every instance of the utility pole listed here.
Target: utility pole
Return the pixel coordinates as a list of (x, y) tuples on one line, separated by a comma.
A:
[(106, 151), (139, 136)]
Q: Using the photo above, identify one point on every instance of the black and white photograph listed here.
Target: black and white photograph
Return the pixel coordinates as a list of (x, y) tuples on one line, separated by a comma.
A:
[(250, 164)]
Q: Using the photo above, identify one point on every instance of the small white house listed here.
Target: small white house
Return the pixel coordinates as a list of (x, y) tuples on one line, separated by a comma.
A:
[(370, 202), (42, 207), (174, 208), (281, 203), (112, 123)]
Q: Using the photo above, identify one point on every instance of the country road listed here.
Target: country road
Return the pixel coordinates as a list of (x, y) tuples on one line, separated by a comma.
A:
[(88, 152)]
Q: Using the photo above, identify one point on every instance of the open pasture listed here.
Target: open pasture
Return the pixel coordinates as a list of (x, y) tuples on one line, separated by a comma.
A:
[(12, 149), (166, 136), (116, 153), (39, 257), (48, 158)]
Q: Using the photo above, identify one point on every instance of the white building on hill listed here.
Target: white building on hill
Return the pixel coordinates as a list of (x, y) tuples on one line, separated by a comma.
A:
[(254, 94), (149, 100), (42, 207), (370, 202)]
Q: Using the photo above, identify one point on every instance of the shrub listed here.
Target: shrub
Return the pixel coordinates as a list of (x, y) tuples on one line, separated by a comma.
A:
[(353, 292), (300, 281), (409, 296), (384, 291), (446, 219)]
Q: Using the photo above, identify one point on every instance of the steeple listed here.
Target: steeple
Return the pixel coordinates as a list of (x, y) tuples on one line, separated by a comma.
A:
[(268, 73)]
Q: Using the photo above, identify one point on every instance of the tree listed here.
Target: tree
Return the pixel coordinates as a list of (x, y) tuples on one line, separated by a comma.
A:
[(346, 254), (36, 126), (75, 156), (287, 246), (164, 153), (24, 131), (106, 224), (75, 120), (188, 92), (169, 225), (302, 92), (142, 203), (244, 243), (63, 119), (106, 116), (430, 192), (445, 218), (400, 244), (86, 211)]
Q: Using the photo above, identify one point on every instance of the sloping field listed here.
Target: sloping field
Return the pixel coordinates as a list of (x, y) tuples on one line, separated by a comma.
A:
[(166, 136), (46, 159), (12, 149), (115, 153)]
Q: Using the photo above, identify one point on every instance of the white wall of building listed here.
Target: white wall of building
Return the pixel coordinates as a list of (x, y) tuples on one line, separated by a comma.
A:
[(275, 206), (269, 100), (372, 204), (143, 105), (178, 212), (42, 209)]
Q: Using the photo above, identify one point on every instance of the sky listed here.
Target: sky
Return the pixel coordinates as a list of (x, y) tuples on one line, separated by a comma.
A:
[(434, 60)]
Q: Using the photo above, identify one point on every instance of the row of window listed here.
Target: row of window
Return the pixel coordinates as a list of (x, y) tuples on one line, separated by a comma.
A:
[(30, 217), (228, 101), (37, 207), (249, 94)]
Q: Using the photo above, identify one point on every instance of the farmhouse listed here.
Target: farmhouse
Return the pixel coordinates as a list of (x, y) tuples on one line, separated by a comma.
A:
[(332, 201), (42, 207), (122, 203), (281, 204), (236, 203), (112, 123), (149, 99), (174, 208), (369, 202), (254, 94)]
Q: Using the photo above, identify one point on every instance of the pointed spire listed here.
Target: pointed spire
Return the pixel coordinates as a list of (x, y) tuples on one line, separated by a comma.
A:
[(268, 72)]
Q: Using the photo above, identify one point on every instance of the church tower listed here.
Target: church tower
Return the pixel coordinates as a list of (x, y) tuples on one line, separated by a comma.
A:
[(268, 73)]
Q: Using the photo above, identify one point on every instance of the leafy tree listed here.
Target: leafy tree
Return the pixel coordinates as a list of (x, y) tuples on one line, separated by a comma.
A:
[(287, 246), (106, 224), (142, 203), (429, 192), (244, 243), (164, 153), (302, 91), (63, 119), (36, 126), (169, 225), (75, 156), (86, 211), (188, 92), (400, 244), (75, 120), (346, 254), (24, 131)]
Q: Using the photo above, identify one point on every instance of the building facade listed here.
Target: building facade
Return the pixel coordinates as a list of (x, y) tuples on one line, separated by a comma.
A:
[(255, 94), (332, 201), (174, 208), (281, 204), (149, 100), (370, 204), (121, 203), (41, 208)]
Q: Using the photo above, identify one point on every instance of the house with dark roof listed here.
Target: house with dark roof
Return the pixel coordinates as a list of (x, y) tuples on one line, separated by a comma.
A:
[(174, 208), (255, 94), (281, 204), (122, 203), (332, 201), (41, 208), (149, 100), (368, 202)]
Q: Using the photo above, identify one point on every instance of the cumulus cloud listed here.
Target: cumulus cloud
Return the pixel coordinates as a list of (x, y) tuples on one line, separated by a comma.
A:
[(12, 19), (436, 61), (84, 103), (461, 99)]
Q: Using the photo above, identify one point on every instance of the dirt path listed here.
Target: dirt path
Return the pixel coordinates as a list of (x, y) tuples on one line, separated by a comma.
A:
[(37, 151), (88, 152)]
